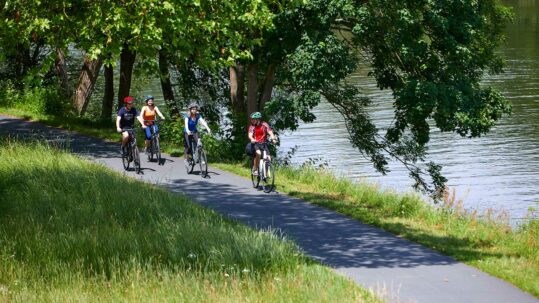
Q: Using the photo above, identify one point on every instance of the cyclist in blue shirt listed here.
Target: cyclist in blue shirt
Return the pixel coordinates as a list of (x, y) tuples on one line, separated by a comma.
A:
[(191, 120), (126, 119)]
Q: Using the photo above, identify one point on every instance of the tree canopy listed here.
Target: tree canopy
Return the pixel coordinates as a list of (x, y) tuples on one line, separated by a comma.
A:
[(284, 56)]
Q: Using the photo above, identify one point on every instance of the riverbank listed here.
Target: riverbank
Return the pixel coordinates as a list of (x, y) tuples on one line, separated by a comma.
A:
[(69, 233), (488, 244)]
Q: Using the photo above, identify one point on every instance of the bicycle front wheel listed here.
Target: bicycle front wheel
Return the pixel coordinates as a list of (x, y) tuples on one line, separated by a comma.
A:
[(149, 150), (255, 179), (268, 179), (189, 165), (136, 158), (125, 159), (157, 150), (203, 163)]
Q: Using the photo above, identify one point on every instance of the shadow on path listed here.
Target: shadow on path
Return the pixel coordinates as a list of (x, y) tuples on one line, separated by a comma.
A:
[(363, 253)]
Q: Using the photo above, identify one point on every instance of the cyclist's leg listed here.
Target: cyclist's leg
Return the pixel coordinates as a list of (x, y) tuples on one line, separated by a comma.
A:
[(195, 139), (156, 130), (258, 154), (148, 137), (125, 138), (186, 146)]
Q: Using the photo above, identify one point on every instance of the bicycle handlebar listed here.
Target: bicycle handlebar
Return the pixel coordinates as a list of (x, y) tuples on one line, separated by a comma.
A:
[(154, 121)]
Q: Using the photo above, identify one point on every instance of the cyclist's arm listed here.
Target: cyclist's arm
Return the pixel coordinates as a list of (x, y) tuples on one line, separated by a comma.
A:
[(159, 113), (250, 135), (186, 125), (139, 118), (142, 112), (118, 118), (203, 122), (272, 135)]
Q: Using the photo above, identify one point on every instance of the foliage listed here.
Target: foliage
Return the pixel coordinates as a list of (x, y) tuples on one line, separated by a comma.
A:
[(431, 54), (66, 242), (36, 100)]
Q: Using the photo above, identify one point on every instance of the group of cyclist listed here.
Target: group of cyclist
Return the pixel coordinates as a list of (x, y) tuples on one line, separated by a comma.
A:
[(257, 132)]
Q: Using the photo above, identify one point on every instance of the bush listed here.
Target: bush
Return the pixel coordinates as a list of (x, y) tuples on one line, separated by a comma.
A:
[(45, 100)]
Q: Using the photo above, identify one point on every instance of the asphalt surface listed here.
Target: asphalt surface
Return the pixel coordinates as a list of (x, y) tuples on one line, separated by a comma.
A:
[(400, 270)]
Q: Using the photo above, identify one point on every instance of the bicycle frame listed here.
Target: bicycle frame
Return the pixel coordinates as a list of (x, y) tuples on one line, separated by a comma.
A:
[(192, 145)]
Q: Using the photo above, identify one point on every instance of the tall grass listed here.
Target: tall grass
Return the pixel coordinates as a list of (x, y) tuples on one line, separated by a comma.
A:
[(71, 230), (487, 242)]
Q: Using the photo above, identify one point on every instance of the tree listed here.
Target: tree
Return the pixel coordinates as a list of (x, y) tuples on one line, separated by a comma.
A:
[(430, 54), (189, 29)]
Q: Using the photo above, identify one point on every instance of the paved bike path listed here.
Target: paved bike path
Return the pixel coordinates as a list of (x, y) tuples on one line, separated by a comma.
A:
[(400, 269)]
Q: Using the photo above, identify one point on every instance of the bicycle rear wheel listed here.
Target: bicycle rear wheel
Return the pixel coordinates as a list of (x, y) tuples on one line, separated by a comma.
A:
[(203, 163), (268, 178), (136, 158), (254, 179), (125, 158)]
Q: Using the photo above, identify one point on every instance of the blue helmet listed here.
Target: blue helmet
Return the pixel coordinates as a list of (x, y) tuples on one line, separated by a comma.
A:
[(149, 97)]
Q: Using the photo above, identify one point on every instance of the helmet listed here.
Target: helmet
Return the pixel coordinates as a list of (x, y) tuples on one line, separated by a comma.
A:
[(149, 97), (193, 105), (129, 99), (256, 115)]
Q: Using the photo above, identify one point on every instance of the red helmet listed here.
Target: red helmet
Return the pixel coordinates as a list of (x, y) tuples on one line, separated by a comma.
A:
[(129, 99)]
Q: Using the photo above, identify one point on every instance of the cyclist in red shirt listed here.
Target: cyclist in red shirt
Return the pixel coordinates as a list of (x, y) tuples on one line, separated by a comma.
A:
[(258, 133)]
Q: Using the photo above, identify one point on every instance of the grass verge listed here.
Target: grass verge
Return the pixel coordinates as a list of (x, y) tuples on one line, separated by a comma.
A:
[(72, 230), (487, 243), (101, 129)]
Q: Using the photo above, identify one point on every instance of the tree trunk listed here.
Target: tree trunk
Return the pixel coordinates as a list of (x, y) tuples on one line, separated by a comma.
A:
[(108, 97), (252, 89), (85, 86), (237, 85), (268, 86), (61, 71), (166, 85), (127, 61)]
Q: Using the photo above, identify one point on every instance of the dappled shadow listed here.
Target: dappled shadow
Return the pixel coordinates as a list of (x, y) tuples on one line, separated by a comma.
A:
[(463, 249), (71, 141), (366, 254), (331, 238)]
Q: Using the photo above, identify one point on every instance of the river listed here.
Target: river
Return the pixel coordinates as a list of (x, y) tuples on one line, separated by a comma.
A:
[(499, 171)]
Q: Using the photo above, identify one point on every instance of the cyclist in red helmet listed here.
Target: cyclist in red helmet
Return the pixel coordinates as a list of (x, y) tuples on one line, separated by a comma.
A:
[(126, 119), (258, 133)]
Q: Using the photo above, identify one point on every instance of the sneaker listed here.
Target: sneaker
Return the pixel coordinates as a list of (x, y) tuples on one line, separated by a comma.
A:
[(186, 162), (146, 149), (255, 172)]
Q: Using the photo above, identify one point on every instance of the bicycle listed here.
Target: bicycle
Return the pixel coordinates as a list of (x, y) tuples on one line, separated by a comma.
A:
[(155, 146), (196, 154), (132, 153), (266, 171)]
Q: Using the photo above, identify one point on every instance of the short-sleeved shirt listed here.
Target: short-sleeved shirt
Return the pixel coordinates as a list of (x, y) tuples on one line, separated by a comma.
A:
[(127, 118), (260, 131), (192, 124)]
